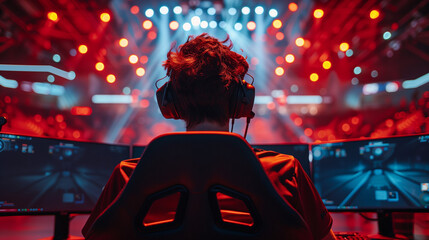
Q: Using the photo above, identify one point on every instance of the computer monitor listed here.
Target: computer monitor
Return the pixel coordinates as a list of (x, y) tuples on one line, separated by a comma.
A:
[(45, 176), (137, 151), (299, 150), (382, 175)]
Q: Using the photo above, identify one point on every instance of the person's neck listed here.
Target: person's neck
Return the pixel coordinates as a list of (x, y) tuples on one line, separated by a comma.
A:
[(209, 126)]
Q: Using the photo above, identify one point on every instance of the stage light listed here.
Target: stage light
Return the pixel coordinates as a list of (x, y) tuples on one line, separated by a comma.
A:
[(134, 9), (344, 46), (140, 71), (213, 24), (273, 13), (355, 81), (149, 12), (126, 90), (374, 73), (72, 52), (51, 78), (204, 24), (297, 121), (238, 26), (83, 49), (374, 14), (293, 7), (133, 59), (299, 42), (245, 10), (177, 10), (318, 13), (280, 36), (345, 127), (222, 24), (123, 42), (349, 53), (232, 11), (53, 16), (308, 132), (195, 20), (105, 17), (144, 59), (279, 71), (147, 24), (174, 25), (314, 77), (99, 66), (110, 78), (187, 26), (198, 12), (290, 58), (370, 88), (211, 11), (387, 35), (81, 111), (251, 25), (357, 70), (392, 87), (151, 35), (59, 118), (326, 64), (279, 60), (56, 58), (163, 10), (259, 10), (277, 24)]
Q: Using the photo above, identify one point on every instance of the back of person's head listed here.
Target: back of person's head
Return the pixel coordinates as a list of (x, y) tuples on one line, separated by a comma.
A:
[(204, 73)]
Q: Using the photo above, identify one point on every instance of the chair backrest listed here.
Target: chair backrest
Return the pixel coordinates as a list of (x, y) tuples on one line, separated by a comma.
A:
[(198, 165)]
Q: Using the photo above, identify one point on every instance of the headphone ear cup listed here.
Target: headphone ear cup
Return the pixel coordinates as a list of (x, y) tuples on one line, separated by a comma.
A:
[(165, 98), (242, 101)]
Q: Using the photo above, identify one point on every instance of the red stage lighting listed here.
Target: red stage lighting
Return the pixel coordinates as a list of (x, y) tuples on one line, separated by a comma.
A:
[(374, 14), (99, 66), (280, 36), (147, 24), (133, 59), (326, 64), (344, 46), (134, 9), (140, 71), (293, 7), (251, 25), (279, 71), (318, 13), (83, 49), (53, 16), (277, 23), (299, 42), (290, 58), (105, 17), (123, 42), (314, 77), (110, 78), (81, 111)]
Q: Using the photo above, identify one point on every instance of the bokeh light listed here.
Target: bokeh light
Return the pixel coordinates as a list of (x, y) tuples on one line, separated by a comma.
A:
[(326, 64), (187, 26), (273, 13), (144, 59), (174, 25), (195, 20), (110, 78), (177, 10), (374, 14), (123, 42), (151, 35), (259, 10), (387, 35), (238, 26), (149, 13), (344, 46), (135, 9), (163, 10), (318, 13), (105, 17), (279, 71), (53, 16), (204, 24), (251, 25), (280, 36), (277, 23), (245, 10), (357, 70), (314, 77), (140, 71), (83, 49), (290, 58), (147, 24), (99, 66), (293, 7), (133, 59), (299, 42)]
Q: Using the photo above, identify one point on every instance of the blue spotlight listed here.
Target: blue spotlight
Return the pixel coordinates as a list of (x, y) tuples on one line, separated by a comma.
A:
[(163, 10), (387, 35), (149, 12), (195, 20), (245, 10), (187, 26), (213, 24), (56, 58), (357, 70), (177, 10), (198, 11), (238, 26), (211, 11), (232, 11), (273, 13), (204, 24), (259, 10)]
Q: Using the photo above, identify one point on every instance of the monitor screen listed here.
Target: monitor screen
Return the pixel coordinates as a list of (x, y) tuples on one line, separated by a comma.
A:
[(41, 175), (137, 151), (299, 151), (374, 174)]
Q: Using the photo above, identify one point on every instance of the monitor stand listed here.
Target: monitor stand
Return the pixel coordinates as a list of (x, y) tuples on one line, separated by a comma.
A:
[(385, 227), (61, 227)]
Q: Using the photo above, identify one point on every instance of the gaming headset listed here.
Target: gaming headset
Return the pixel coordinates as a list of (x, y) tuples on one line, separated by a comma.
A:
[(241, 102)]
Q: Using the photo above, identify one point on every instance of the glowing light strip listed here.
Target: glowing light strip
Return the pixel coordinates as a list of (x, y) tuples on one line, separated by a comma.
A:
[(263, 99), (8, 83), (48, 89), (416, 82), (38, 68), (114, 99), (304, 99)]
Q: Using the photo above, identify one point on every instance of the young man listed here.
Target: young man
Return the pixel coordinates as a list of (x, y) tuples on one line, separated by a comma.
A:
[(205, 74)]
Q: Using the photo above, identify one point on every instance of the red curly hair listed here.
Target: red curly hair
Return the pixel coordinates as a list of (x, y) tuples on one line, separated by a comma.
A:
[(204, 73)]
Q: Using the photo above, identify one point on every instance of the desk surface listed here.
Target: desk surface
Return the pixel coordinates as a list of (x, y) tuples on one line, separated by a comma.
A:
[(39, 227)]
